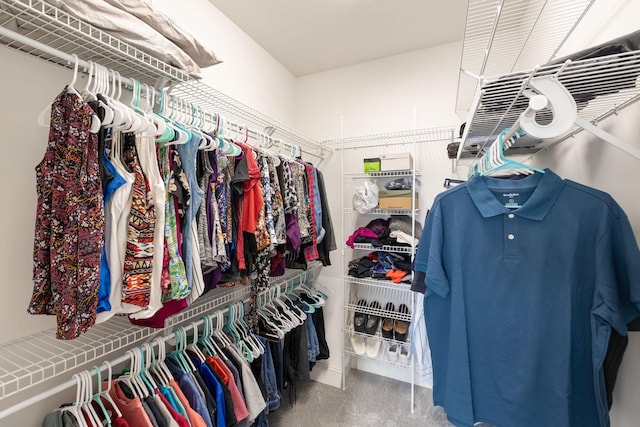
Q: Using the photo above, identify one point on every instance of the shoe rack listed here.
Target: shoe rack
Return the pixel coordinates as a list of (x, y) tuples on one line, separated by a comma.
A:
[(377, 312)]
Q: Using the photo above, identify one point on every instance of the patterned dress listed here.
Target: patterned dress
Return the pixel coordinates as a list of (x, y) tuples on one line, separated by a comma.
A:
[(69, 229), (138, 263)]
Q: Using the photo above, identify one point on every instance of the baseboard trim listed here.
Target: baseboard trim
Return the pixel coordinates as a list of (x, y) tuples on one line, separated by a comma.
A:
[(325, 374)]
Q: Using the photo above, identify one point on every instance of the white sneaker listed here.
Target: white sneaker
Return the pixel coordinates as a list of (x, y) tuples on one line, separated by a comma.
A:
[(404, 356), (373, 346), (392, 352), (359, 344)]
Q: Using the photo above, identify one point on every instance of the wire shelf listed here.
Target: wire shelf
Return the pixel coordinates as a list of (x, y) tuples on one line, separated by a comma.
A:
[(601, 87), (503, 36), (211, 99), (55, 29), (392, 138), (382, 353), (388, 284), (386, 248), (384, 212), (354, 307), (47, 24), (385, 174), (29, 361)]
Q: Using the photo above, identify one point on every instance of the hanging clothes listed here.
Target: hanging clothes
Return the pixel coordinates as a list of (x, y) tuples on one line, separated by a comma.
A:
[(138, 262), (69, 231), (549, 323)]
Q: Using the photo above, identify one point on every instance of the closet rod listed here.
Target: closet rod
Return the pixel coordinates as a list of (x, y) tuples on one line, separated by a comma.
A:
[(50, 50), (70, 383), (130, 82), (301, 278)]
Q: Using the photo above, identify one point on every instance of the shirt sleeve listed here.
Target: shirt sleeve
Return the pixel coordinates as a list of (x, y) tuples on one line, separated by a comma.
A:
[(429, 258), (618, 274)]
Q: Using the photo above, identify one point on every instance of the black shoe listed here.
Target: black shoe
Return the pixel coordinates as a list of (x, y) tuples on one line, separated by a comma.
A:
[(359, 318), (373, 320)]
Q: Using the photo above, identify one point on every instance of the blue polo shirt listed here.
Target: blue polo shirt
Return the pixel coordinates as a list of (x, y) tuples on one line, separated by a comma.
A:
[(519, 303)]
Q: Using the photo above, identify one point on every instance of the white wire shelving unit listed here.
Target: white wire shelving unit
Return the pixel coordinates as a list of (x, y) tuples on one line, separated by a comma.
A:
[(505, 36), (352, 151), (59, 35), (42, 31)]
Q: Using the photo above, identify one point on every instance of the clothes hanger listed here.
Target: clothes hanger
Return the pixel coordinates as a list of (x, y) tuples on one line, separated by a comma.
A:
[(159, 368), (272, 330), (129, 378), (179, 354), (103, 90), (250, 337), (104, 394), (501, 163), (193, 346), (92, 415), (44, 118), (97, 398), (218, 330), (75, 408), (240, 344), (203, 340)]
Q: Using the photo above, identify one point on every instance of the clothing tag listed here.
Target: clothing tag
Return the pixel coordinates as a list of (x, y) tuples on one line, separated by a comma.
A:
[(511, 199)]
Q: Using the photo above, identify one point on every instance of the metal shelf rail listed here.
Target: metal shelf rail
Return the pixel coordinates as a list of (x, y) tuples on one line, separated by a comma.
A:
[(392, 138), (40, 21), (600, 86), (32, 360), (58, 35), (504, 36)]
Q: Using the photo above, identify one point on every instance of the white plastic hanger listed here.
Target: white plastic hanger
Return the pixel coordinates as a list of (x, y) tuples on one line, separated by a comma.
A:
[(193, 346), (75, 408), (87, 407), (104, 394)]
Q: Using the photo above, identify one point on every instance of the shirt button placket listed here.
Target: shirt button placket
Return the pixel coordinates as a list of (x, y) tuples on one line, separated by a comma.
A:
[(510, 235)]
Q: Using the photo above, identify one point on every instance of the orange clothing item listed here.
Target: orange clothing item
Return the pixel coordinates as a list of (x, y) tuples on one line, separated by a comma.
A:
[(239, 405), (251, 205), (396, 275), (194, 417)]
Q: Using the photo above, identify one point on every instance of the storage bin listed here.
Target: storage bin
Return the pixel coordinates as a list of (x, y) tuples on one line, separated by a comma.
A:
[(372, 165), (396, 162), (396, 199)]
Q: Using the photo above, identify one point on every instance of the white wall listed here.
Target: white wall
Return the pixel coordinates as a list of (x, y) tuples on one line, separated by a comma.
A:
[(28, 85), (248, 73), (380, 96)]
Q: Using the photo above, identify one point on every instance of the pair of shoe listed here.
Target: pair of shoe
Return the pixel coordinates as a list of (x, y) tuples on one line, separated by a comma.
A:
[(395, 329), (369, 346), (367, 324), (398, 353)]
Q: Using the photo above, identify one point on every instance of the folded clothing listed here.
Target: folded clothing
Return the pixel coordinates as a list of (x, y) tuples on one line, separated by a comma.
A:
[(403, 223), (379, 226), (403, 237), (360, 232), (396, 276)]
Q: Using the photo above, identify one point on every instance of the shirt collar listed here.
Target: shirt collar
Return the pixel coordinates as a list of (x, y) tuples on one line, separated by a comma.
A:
[(547, 189)]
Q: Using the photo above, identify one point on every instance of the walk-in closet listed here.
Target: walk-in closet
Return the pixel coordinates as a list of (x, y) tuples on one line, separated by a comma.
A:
[(320, 213)]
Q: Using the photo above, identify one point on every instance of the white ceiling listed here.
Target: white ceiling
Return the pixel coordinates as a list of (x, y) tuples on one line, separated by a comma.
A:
[(309, 36)]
